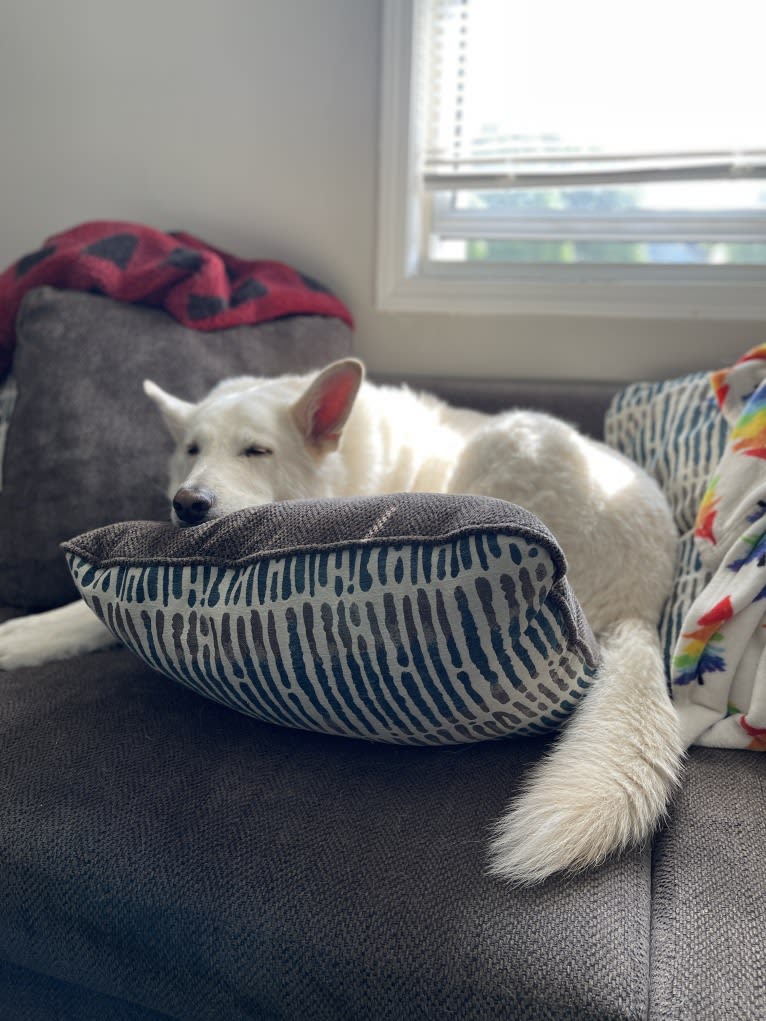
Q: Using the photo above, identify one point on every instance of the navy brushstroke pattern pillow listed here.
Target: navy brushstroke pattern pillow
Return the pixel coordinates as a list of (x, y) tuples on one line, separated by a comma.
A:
[(676, 432), (413, 619)]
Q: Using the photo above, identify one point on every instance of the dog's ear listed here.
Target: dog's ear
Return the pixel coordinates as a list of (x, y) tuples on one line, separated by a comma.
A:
[(175, 412), (321, 412)]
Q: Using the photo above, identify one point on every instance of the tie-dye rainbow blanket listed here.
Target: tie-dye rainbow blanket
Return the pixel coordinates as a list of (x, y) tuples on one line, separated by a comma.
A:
[(719, 664)]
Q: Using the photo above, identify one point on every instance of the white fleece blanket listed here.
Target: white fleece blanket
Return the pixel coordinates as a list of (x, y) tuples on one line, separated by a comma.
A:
[(719, 662)]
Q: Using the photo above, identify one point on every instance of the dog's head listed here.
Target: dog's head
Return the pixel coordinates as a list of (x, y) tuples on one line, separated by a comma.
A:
[(252, 441)]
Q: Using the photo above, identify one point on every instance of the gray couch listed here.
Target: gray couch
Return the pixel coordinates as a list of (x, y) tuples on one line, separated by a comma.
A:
[(164, 857)]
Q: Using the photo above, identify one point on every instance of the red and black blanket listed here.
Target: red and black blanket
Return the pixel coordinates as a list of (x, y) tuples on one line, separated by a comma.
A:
[(200, 286)]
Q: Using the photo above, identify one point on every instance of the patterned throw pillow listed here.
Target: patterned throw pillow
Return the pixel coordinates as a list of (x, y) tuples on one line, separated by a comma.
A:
[(675, 431), (410, 618)]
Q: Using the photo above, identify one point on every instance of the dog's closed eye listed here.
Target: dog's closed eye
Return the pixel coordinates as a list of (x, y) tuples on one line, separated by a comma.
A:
[(255, 451)]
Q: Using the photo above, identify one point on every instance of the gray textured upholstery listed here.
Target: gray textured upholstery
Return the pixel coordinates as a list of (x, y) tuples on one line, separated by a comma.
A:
[(709, 888), (29, 996), (179, 856)]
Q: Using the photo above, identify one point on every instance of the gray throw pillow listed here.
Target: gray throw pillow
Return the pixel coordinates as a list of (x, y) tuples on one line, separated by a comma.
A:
[(407, 618), (84, 447)]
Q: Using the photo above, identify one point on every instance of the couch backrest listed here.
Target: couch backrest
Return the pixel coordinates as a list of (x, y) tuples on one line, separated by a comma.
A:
[(582, 403)]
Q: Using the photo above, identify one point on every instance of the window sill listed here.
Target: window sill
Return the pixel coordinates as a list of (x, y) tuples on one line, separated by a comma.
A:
[(642, 292)]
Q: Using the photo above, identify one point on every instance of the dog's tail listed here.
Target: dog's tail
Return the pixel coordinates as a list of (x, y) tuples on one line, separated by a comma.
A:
[(608, 780)]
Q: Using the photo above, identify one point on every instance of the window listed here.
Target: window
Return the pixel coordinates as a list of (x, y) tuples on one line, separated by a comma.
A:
[(561, 158)]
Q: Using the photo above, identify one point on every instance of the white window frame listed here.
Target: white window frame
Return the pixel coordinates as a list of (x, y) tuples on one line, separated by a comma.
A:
[(407, 281)]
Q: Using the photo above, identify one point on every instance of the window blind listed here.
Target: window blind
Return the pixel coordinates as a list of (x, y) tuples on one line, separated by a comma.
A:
[(525, 95)]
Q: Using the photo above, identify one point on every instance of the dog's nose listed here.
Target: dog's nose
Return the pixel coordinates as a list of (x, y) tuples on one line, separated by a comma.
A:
[(192, 505)]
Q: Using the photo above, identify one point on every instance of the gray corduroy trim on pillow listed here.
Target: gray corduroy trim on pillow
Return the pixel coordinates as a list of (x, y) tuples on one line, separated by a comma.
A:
[(411, 618), (276, 529)]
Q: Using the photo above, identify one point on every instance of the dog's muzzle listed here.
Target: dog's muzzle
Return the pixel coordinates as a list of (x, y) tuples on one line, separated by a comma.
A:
[(192, 506)]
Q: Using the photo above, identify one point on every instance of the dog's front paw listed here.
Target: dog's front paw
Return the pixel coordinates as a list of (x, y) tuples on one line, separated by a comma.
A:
[(57, 634), (22, 643)]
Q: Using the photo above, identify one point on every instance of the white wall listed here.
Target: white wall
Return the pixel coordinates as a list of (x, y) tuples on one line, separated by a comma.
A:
[(254, 123)]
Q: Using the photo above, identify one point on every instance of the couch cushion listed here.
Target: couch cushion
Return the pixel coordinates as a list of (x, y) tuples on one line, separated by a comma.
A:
[(414, 618), (30, 996), (170, 852), (7, 404), (709, 888), (580, 402), (84, 446)]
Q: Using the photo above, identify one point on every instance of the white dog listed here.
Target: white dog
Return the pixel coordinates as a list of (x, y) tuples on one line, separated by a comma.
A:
[(251, 441)]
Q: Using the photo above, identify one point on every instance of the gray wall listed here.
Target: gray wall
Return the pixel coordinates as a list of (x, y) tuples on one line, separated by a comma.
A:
[(254, 123)]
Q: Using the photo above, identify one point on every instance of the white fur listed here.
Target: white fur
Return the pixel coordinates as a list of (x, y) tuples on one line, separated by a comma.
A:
[(58, 634), (607, 782)]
